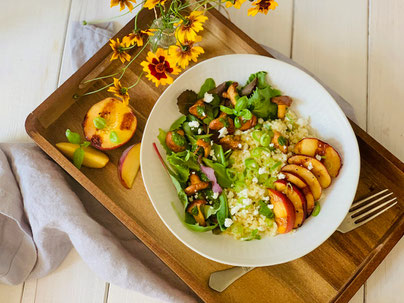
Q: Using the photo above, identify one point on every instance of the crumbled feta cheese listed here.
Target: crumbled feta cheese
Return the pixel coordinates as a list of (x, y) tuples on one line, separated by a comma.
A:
[(262, 170), (254, 180), (255, 212), (281, 176), (238, 132), (265, 198), (207, 97), (240, 145), (270, 206), (228, 222), (318, 157), (211, 143), (212, 154), (223, 132), (243, 193), (193, 124), (215, 195), (310, 166), (193, 173), (247, 201), (271, 145), (199, 131), (234, 209), (260, 121)]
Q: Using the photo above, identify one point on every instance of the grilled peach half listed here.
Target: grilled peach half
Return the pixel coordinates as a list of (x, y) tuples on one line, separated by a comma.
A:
[(284, 211), (307, 177), (304, 188), (120, 124), (315, 166), (311, 147), (296, 197)]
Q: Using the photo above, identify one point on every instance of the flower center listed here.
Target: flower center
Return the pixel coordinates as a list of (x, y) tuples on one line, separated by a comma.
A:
[(160, 68), (123, 90)]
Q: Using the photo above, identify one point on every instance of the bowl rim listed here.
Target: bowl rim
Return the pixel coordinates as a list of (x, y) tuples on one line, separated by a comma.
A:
[(343, 118)]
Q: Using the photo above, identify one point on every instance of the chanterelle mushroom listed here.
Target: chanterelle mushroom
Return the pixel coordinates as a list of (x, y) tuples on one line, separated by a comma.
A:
[(205, 145), (231, 142), (248, 123), (198, 109), (195, 210), (196, 185), (175, 140), (222, 121), (231, 93), (283, 103)]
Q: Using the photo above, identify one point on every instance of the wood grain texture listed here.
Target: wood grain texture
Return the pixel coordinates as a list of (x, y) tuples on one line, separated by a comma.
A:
[(386, 61), (71, 282), (27, 57), (273, 29), (330, 40), (311, 278), (12, 293)]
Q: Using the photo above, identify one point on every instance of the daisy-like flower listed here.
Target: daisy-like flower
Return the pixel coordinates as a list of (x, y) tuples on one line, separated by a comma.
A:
[(183, 53), (120, 91), (235, 3), (123, 3), (159, 67), (187, 29), (137, 37), (119, 51), (262, 6), (152, 3)]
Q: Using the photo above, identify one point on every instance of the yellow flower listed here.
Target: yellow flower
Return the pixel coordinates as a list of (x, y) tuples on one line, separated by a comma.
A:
[(119, 51), (120, 91), (122, 3), (183, 54), (262, 6), (236, 3), (137, 37), (159, 67), (187, 29), (152, 3)]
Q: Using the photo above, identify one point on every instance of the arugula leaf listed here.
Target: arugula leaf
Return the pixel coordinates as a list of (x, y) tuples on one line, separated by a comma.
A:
[(265, 210), (223, 211), (220, 172), (185, 100), (219, 154), (78, 157), (178, 123), (207, 86), (180, 192), (73, 137), (209, 210)]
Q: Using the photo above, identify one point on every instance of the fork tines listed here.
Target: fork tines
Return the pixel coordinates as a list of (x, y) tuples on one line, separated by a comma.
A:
[(371, 206)]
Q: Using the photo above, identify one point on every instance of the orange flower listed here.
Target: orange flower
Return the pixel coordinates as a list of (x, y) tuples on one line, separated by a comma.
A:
[(137, 37), (187, 29), (119, 51), (123, 3), (235, 3), (120, 91), (152, 3), (159, 67), (262, 6), (183, 53)]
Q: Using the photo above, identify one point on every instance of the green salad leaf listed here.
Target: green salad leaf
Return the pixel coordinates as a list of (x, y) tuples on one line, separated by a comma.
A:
[(199, 228), (78, 157), (207, 86), (265, 210), (253, 236), (223, 212), (178, 123), (185, 100), (180, 192), (261, 105), (220, 172), (162, 139)]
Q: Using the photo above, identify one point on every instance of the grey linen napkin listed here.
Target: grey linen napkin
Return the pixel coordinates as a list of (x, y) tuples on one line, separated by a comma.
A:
[(43, 212)]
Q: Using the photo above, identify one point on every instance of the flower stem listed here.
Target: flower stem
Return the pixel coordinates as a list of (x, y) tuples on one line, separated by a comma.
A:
[(140, 76), (99, 78)]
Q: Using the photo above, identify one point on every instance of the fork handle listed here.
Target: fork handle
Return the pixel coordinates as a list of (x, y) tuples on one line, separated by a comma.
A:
[(220, 280)]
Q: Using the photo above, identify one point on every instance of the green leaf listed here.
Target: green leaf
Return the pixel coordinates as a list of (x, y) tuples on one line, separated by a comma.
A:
[(162, 139), (261, 77), (73, 137), (237, 122), (254, 236), (199, 228), (178, 123), (219, 154), (223, 211), (209, 210), (246, 114), (207, 86), (78, 157), (227, 110), (113, 137), (180, 192), (99, 122), (185, 100), (220, 173), (281, 140), (265, 210), (241, 103), (260, 102), (85, 144)]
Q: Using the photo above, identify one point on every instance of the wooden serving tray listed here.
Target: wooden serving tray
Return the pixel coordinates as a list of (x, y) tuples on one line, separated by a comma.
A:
[(331, 273)]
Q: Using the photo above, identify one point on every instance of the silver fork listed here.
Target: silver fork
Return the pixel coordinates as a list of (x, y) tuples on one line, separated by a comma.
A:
[(361, 212)]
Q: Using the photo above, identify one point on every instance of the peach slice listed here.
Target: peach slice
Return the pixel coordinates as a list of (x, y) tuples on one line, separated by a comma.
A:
[(304, 188), (316, 167), (92, 158), (296, 197), (120, 124), (312, 146), (284, 211), (129, 164), (307, 177)]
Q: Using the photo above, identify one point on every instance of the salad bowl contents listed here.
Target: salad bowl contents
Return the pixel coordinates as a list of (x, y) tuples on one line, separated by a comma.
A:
[(238, 146), (243, 162)]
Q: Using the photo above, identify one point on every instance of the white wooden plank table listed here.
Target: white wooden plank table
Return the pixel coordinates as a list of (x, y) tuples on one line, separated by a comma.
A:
[(355, 47)]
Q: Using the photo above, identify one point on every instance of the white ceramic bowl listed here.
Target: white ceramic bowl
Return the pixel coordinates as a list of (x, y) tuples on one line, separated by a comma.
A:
[(310, 100)]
